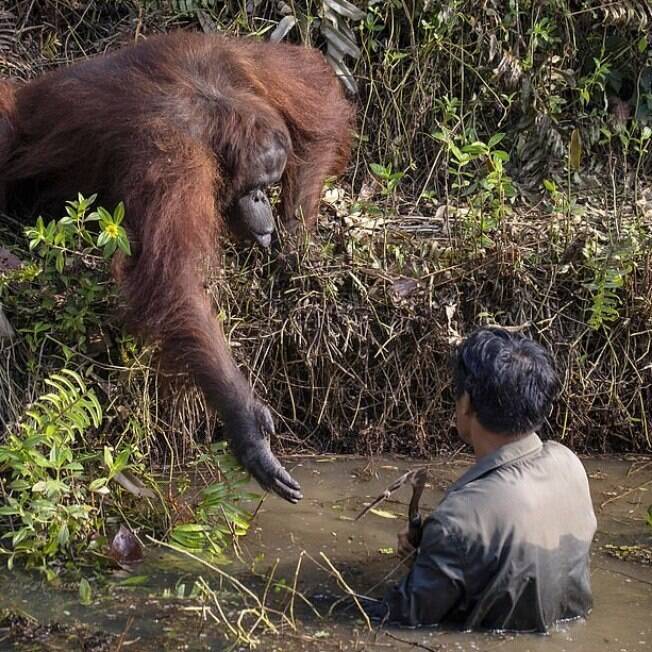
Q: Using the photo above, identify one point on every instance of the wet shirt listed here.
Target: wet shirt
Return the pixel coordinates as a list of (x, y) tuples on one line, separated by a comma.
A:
[(508, 546)]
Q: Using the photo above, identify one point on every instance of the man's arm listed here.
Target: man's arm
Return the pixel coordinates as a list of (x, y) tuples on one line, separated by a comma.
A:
[(435, 584)]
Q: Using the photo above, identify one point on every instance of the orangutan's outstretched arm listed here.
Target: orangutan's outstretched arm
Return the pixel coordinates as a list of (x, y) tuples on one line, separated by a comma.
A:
[(173, 214)]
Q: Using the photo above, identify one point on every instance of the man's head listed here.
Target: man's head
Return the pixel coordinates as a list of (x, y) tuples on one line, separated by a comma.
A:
[(504, 384)]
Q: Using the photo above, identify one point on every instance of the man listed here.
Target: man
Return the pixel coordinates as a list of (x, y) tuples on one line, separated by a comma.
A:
[(508, 546)]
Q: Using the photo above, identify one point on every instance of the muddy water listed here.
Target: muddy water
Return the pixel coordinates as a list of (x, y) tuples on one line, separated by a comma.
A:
[(320, 531)]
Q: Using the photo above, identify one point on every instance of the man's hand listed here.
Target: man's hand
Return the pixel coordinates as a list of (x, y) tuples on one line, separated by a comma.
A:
[(405, 548)]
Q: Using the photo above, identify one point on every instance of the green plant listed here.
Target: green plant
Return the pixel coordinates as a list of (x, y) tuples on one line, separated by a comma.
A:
[(47, 467), (479, 176), (218, 517), (388, 177), (66, 294), (48, 484), (71, 236), (47, 511), (595, 81), (67, 465), (611, 264)]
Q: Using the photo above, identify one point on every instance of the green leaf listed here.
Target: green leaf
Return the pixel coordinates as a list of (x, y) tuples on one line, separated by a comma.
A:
[(457, 153), (108, 458), (39, 487), (474, 148), (642, 44), (191, 527), (495, 139), (119, 213), (123, 245), (378, 170), (85, 592), (105, 216), (134, 580), (110, 248), (6, 510), (75, 467), (97, 484), (40, 459), (63, 535)]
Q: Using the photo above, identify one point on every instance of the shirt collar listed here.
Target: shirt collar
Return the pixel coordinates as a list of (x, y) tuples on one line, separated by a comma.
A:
[(501, 456)]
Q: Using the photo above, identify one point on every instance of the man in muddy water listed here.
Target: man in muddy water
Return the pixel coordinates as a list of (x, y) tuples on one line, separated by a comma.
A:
[(508, 546)]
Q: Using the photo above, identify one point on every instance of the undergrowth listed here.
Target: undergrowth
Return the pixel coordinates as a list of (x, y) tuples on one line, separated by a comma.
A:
[(74, 461)]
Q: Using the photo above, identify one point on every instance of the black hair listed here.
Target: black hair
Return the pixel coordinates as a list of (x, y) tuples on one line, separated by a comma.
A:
[(510, 379)]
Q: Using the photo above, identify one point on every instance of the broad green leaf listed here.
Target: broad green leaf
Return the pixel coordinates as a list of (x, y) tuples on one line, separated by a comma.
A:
[(119, 213), (97, 484), (85, 592), (495, 139), (378, 170), (124, 246)]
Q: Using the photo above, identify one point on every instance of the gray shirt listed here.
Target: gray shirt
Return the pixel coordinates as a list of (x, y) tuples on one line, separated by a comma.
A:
[(508, 546)]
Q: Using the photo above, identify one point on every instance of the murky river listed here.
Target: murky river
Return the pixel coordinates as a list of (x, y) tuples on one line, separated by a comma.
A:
[(300, 560)]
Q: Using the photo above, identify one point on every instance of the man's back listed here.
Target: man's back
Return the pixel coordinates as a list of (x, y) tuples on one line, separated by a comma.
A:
[(508, 547)]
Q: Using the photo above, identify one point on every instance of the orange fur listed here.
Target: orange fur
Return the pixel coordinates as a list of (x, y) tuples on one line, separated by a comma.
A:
[(170, 126)]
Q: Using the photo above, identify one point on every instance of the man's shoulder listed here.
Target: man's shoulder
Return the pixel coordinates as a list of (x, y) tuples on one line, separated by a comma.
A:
[(558, 447), (560, 453), (511, 493)]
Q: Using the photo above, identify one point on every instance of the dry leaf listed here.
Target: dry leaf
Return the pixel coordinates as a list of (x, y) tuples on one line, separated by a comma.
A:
[(575, 150), (382, 513), (125, 548)]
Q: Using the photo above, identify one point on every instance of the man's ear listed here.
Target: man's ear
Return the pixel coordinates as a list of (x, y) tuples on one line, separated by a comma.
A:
[(465, 405)]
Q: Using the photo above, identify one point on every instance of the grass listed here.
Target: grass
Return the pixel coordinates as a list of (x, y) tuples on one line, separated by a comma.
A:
[(352, 335)]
